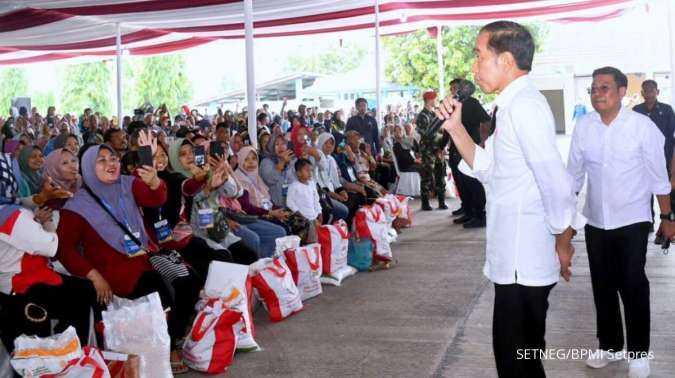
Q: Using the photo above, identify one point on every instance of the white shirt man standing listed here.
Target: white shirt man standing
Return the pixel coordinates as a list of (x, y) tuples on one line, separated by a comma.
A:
[(531, 210), (621, 153)]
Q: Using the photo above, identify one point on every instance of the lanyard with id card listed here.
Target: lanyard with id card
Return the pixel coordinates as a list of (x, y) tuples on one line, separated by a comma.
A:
[(162, 230), (206, 218)]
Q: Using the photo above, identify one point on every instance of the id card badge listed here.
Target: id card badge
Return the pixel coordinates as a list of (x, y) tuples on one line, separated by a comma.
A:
[(132, 249), (350, 171), (267, 205), (163, 231), (206, 218), (284, 190)]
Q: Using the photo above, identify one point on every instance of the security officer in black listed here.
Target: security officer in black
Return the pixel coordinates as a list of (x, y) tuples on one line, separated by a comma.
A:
[(664, 118)]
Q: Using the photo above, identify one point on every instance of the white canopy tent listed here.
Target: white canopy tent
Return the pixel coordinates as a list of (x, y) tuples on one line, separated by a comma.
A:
[(44, 30)]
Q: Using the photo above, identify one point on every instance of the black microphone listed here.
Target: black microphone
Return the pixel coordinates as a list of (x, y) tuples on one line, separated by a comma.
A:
[(465, 89)]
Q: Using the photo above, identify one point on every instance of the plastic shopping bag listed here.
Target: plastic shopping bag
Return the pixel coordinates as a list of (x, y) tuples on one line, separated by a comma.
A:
[(274, 286), (210, 346), (334, 240), (34, 356), (390, 206), (122, 365), (139, 327), (360, 254), (90, 365), (222, 277), (285, 243), (305, 265), (370, 223)]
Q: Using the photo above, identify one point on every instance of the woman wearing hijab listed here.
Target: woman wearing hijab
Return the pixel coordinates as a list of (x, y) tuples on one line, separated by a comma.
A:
[(26, 245), (197, 186), (102, 238), (30, 162), (277, 170), (180, 190), (328, 178)]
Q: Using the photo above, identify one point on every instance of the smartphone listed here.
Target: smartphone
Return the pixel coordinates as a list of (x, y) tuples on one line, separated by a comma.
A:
[(145, 156), (216, 149), (200, 155)]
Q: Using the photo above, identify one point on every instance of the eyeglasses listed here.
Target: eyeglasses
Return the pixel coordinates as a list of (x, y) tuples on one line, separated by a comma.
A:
[(111, 160), (603, 89)]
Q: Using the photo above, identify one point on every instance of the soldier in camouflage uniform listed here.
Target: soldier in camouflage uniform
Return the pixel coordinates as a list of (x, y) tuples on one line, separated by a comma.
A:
[(432, 148)]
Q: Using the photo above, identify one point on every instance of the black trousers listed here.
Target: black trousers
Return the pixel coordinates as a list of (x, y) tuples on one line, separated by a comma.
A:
[(473, 197), (617, 261), (181, 296), (70, 303), (459, 178), (199, 255), (519, 323)]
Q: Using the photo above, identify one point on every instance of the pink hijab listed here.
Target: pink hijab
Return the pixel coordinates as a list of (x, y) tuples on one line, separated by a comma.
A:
[(251, 181), (52, 168)]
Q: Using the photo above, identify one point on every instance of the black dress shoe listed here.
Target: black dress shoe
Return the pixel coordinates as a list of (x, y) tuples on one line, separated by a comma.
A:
[(475, 223), (458, 212), (462, 220)]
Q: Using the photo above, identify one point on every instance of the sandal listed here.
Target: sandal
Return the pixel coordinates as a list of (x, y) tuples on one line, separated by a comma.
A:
[(178, 366)]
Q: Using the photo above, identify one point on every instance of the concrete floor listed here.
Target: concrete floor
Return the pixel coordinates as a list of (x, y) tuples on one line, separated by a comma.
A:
[(431, 316)]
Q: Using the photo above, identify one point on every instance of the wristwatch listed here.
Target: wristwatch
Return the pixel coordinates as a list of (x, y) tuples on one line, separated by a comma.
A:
[(669, 217)]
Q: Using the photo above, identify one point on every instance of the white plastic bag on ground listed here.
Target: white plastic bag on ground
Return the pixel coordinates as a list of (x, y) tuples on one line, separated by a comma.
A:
[(370, 223), (334, 240), (273, 283), (139, 327), (286, 243), (210, 345), (391, 207), (90, 365), (34, 356), (337, 276), (305, 265), (222, 277)]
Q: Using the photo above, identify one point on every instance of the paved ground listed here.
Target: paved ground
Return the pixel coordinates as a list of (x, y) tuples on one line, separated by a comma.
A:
[(431, 317)]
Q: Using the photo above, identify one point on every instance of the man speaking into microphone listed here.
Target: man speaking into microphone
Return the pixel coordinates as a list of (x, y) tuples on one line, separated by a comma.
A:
[(531, 207)]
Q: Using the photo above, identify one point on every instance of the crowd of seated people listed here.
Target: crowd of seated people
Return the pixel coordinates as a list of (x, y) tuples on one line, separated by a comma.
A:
[(83, 216)]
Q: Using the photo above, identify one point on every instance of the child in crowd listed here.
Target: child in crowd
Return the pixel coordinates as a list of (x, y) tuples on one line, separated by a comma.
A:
[(303, 196)]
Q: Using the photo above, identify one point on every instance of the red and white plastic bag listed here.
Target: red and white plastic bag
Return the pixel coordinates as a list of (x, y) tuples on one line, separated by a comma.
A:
[(305, 265), (222, 277), (36, 356), (406, 210), (90, 365), (273, 284), (391, 207), (210, 345), (370, 223), (334, 240)]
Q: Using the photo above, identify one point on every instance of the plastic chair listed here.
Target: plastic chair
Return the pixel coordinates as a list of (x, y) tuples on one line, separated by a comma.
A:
[(407, 183)]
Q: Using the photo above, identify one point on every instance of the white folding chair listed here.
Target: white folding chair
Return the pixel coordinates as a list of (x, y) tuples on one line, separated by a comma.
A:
[(407, 183)]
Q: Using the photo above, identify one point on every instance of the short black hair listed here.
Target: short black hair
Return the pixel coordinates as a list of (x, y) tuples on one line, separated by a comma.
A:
[(134, 126), (619, 78), (183, 132), (300, 163), (360, 100), (222, 125), (512, 37), (261, 117), (650, 82), (107, 136), (455, 81)]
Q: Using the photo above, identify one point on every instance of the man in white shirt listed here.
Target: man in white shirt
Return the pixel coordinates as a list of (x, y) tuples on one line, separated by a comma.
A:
[(531, 209), (621, 152)]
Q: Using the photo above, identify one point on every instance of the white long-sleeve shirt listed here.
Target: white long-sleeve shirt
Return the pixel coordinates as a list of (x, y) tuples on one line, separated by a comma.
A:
[(305, 199), (22, 236), (625, 165), (529, 192)]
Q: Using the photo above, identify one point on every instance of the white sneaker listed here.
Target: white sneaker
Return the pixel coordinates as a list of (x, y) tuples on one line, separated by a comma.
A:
[(638, 368), (602, 358)]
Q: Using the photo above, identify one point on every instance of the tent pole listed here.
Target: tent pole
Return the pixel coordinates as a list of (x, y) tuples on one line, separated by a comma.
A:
[(441, 64), (118, 80), (378, 78), (250, 74)]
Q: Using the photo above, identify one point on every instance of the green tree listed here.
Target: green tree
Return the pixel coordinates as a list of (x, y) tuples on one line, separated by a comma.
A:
[(335, 60), (13, 83), (163, 79), (413, 60), (86, 85)]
